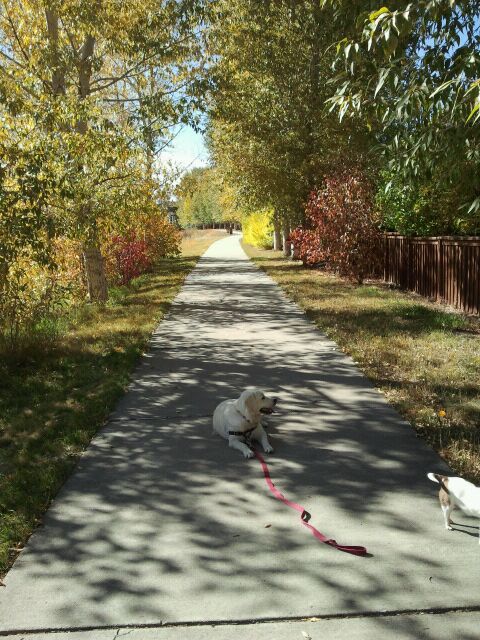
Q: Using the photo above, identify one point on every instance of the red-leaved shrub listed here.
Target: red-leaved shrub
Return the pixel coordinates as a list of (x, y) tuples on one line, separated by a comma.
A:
[(127, 257), (340, 232), (139, 249)]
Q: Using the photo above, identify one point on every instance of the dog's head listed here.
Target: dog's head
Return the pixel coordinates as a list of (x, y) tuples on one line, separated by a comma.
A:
[(254, 402)]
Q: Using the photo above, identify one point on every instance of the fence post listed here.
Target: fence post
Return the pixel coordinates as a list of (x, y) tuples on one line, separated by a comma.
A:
[(439, 269), (385, 257), (409, 274)]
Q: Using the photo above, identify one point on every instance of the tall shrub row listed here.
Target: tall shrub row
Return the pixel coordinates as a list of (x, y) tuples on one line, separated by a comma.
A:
[(33, 295)]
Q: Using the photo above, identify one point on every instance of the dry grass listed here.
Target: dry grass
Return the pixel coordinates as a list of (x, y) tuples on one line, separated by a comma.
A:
[(196, 241), (55, 397), (424, 357)]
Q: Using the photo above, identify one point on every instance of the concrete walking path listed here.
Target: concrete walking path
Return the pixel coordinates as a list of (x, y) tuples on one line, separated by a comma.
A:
[(163, 524)]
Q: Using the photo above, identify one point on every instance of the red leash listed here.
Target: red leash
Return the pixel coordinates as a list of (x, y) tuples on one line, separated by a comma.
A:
[(305, 516)]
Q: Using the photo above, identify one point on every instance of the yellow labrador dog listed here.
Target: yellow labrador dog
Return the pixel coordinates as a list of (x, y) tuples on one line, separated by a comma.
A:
[(239, 421)]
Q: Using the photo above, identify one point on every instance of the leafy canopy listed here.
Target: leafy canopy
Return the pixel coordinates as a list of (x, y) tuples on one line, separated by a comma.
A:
[(415, 68)]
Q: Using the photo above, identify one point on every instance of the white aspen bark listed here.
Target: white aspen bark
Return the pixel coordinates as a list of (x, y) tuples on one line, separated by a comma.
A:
[(58, 68), (277, 239), (95, 273), (92, 257)]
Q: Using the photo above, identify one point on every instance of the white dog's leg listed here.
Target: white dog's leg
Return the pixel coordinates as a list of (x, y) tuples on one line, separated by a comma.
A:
[(235, 443), (260, 435), (447, 510)]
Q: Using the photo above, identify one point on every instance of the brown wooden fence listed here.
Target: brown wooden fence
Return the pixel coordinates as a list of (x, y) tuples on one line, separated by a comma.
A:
[(445, 268)]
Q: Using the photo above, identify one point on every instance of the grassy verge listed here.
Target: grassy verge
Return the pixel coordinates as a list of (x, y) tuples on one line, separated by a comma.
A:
[(422, 356), (54, 399)]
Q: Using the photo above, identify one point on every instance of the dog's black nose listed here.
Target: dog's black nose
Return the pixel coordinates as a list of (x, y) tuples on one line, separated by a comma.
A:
[(275, 400)]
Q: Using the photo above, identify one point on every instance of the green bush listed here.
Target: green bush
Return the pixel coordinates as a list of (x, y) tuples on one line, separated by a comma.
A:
[(429, 209), (30, 301), (258, 228)]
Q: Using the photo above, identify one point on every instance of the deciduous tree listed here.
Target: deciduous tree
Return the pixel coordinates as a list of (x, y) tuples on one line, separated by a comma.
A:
[(103, 82), (271, 136), (415, 67)]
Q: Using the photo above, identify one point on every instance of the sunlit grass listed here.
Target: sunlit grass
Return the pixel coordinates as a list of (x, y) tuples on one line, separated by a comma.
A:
[(55, 397), (196, 241), (424, 357)]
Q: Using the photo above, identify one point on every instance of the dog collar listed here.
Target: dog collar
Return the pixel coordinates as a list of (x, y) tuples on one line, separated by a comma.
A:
[(242, 433), (246, 419)]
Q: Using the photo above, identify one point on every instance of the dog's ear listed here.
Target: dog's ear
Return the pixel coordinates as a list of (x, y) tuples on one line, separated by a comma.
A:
[(241, 402), (246, 402), (252, 402)]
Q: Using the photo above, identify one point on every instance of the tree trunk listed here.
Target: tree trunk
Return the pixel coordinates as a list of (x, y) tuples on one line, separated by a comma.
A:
[(277, 239), (92, 258), (58, 67), (95, 273), (295, 252), (287, 245), (3, 276)]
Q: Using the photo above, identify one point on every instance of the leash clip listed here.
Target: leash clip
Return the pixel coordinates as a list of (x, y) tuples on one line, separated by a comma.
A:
[(305, 516)]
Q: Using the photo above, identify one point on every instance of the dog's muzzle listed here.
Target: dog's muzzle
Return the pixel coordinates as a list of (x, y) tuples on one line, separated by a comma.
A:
[(269, 410)]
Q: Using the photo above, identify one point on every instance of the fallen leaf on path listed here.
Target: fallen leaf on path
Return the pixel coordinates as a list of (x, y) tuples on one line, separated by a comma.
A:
[(267, 526)]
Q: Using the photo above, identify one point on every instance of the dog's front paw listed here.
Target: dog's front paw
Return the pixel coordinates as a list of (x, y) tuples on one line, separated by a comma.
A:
[(268, 448), (248, 453)]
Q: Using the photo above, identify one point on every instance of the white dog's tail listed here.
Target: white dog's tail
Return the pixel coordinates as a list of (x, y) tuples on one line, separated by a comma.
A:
[(441, 480)]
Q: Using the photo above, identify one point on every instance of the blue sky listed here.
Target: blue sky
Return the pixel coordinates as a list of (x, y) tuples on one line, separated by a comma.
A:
[(187, 150)]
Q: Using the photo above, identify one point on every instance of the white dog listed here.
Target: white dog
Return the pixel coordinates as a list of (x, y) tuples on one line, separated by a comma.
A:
[(457, 492), (239, 421)]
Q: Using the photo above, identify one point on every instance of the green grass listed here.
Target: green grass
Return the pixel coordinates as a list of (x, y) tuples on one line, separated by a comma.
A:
[(424, 357), (56, 395)]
